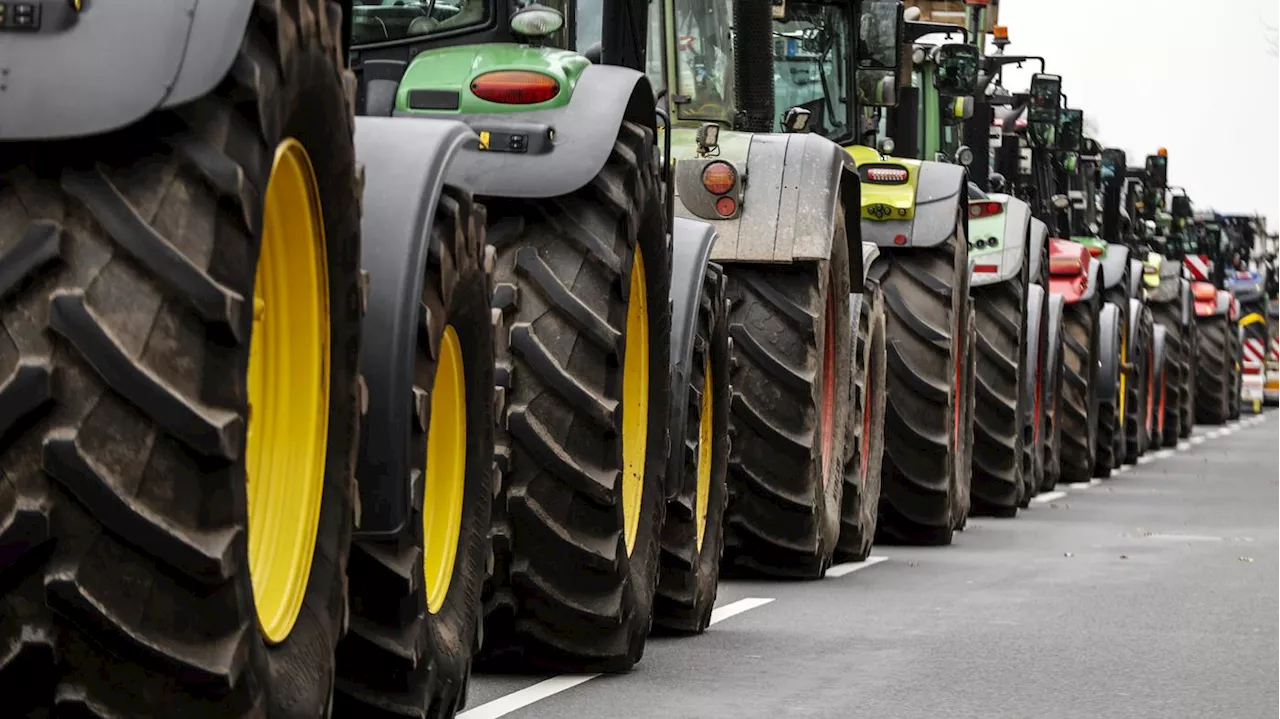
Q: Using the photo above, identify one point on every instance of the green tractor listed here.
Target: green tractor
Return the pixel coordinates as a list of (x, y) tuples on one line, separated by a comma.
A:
[(612, 368), (190, 523), (807, 329), (917, 213)]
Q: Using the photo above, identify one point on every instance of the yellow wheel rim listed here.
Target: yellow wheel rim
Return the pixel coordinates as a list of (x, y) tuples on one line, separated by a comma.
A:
[(703, 496), (446, 471), (288, 387), (635, 402)]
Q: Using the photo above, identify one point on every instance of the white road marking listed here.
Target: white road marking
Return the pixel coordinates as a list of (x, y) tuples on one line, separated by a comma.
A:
[(503, 706), (1184, 445), (1214, 434), (1122, 468), (1080, 485), (1185, 537), (1146, 459), (1046, 497), (839, 570), (1163, 454), (1197, 440)]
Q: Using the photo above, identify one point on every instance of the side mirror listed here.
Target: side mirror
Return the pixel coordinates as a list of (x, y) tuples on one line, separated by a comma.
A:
[(795, 119), (1114, 164), (881, 34), (1158, 171), (957, 69), (1046, 99), (1071, 136), (877, 88), (1182, 206)]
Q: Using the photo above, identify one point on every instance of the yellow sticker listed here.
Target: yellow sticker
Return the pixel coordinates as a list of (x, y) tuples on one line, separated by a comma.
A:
[(484, 140)]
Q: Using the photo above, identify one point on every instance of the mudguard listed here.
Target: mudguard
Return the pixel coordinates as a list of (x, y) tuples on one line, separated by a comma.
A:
[(1135, 311), (1013, 231), (1052, 361), (1135, 277), (1035, 315), (1114, 262), (1038, 237), (1246, 295), (1188, 302), (405, 166), (1108, 352), (789, 206), (691, 245), (1097, 281), (1209, 300), (941, 190), (177, 51), (567, 145), (1166, 291), (1159, 339)]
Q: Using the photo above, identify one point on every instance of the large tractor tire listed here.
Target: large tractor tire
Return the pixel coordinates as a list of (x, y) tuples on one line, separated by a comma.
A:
[(1110, 428), (1169, 316), (163, 552), (1137, 389), (923, 483), (864, 449), (693, 534), (1051, 400), (1214, 368), (1237, 376), (582, 284), (962, 481), (793, 358), (1078, 423), (1190, 381), (415, 597), (1000, 312)]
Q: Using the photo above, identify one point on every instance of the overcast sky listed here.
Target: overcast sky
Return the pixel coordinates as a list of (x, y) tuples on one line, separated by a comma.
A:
[(1195, 76)]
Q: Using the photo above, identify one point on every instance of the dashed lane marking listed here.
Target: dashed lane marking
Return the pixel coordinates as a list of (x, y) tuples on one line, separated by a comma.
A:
[(1046, 497), (839, 570)]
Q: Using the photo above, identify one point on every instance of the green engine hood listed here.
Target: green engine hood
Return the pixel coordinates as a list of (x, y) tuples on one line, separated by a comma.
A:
[(451, 69)]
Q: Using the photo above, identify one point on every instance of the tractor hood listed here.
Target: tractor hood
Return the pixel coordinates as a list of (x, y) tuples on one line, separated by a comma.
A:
[(998, 227), (440, 81), (909, 203)]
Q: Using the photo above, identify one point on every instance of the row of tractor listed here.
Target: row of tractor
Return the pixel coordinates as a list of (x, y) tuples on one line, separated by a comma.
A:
[(347, 345)]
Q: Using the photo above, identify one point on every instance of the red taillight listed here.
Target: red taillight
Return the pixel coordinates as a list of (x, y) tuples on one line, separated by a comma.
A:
[(1204, 291), (718, 177), (899, 239), (887, 175), (515, 87), (726, 206), (1065, 266), (1096, 251), (978, 210), (985, 268)]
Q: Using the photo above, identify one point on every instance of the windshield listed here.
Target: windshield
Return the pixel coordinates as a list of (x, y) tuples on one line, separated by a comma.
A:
[(704, 59), (377, 21), (811, 66)]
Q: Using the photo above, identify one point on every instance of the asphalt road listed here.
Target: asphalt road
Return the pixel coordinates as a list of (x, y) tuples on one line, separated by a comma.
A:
[(1151, 594)]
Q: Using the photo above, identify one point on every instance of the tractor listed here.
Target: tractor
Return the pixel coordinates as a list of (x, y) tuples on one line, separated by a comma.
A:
[(194, 520), (1168, 293), (770, 102), (917, 213), (1246, 280), (613, 365), (934, 119), (1217, 312)]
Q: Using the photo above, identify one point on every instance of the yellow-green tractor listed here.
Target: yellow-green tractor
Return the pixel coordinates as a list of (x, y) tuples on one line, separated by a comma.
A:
[(184, 530)]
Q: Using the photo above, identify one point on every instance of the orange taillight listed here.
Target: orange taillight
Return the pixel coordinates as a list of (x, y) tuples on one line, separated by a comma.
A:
[(515, 87), (1096, 251), (1204, 291), (719, 177), (1065, 266)]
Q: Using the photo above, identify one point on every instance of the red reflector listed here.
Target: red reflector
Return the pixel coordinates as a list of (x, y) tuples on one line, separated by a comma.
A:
[(899, 239), (886, 175), (726, 206), (985, 268), (515, 87), (1065, 266), (718, 178), (1096, 251), (978, 210)]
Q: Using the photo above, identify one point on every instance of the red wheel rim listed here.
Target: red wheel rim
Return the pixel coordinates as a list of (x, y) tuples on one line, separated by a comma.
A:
[(828, 386), (1151, 387), (1163, 388)]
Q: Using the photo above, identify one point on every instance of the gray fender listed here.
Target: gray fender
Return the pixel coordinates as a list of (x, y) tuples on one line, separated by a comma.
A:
[(795, 184), (941, 190), (582, 135), (1188, 301), (1135, 278), (74, 78), (1031, 345), (1097, 279), (405, 166), (1115, 262), (1135, 311), (1013, 242), (1038, 238), (1158, 340), (1109, 322), (1223, 306), (691, 245), (1053, 378)]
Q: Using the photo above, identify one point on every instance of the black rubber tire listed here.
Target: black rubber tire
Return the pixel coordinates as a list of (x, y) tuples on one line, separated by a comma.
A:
[(1033, 441), (690, 572), (1214, 381), (926, 295), (1109, 439), (1051, 429), (999, 453), (864, 448), (1078, 408), (1190, 371), (127, 264), (962, 479), (1136, 389), (565, 593), (1237, 376), (783, 517), (399, 659), (1169, 316)]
